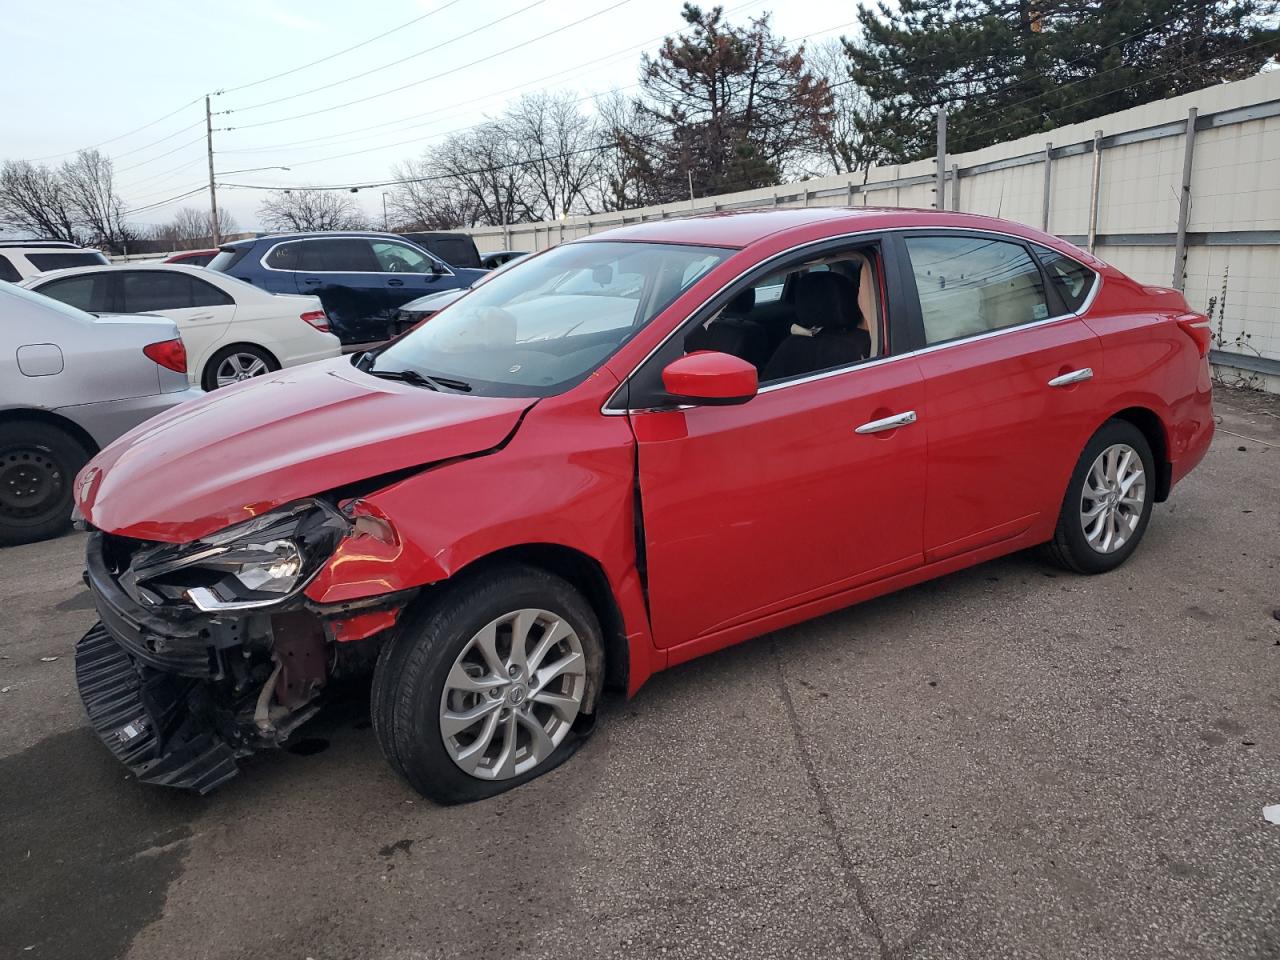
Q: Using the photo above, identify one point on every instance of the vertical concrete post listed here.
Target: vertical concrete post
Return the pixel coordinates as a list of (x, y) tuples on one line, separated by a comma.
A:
[(940, 197), (1048, 187), (1094, 188), (1184, 204), (955, 186), (849, 202)]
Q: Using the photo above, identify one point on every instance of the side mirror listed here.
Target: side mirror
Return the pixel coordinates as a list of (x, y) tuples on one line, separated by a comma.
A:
[(437, 268), (709, 378)]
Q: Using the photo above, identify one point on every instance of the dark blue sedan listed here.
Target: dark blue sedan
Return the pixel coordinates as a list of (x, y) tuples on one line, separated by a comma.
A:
[(361, 278)]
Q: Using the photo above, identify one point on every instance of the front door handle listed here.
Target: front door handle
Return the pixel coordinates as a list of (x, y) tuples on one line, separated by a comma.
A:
[(888, 423), (395, 283), (1075, 376)]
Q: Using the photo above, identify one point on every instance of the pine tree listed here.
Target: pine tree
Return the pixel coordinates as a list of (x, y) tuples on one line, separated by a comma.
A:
[(734, 107), (1009, 68)]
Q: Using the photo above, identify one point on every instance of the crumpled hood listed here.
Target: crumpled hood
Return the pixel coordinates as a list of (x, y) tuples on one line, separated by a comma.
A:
[(245, 449)]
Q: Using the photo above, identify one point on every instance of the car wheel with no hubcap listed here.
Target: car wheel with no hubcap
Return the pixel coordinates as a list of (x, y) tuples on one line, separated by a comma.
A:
[(38, 463)]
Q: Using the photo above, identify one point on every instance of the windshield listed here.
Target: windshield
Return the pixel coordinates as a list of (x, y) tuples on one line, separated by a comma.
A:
[(541, 329)]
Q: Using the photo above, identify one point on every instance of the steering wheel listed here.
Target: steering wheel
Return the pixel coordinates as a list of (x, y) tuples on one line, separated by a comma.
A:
[(397, 265)]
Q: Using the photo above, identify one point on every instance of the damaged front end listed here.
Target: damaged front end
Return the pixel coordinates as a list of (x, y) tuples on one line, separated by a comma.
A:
[(208, 651)]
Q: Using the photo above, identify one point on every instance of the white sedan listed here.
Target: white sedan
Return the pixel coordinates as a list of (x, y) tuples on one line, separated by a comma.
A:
[(231, 329)]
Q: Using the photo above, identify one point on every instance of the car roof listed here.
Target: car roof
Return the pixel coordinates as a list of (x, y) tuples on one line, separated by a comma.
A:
[(738, 229), (315, 235), (117, 267), (41, 245)]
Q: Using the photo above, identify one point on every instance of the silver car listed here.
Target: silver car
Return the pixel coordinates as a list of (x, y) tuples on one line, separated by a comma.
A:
[(70, 383)]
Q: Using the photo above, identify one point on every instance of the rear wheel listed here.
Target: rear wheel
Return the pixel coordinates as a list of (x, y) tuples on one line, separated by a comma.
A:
[(490, 686), (38, 463), (235, 363), (1108, 501)]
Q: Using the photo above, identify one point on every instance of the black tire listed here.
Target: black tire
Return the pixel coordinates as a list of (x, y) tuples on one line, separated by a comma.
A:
[(209, 379), (38, 466), (1070, 547), (409, 680)]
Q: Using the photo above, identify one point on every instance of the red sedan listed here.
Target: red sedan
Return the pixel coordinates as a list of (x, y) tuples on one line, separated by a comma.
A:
[(624, 453)]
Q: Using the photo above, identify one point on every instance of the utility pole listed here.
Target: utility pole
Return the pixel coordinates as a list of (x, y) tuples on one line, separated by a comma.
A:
[(940, 201), (690, 173), (213, 192), (384, 211)]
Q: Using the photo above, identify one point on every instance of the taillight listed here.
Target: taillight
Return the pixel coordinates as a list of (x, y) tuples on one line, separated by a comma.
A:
[(170, 354), (318, 319), (1196, 327)]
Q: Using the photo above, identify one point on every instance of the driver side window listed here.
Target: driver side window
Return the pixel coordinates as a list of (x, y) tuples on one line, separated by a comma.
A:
[(400, 258), (819, 314)]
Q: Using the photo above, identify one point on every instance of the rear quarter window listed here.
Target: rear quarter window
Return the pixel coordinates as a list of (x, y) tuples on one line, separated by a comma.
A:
[(1072, 279), (8, 271)]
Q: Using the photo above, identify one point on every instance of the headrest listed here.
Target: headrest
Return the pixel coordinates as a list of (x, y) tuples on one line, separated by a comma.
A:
[(826, 299), (742, 303)]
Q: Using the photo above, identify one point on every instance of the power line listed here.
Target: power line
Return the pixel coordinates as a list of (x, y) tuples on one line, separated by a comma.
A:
[(103, 143), (437, 76), (445, 133), (338, 137), (143, 163), (393, 63), (356, 46)]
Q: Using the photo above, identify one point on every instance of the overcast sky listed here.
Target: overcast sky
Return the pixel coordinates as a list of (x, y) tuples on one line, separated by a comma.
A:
[(107, 69)]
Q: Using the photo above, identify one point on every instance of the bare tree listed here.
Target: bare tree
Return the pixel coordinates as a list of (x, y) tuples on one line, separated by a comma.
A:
[(34, 200), (423, 202), (842, 146), (307, 209), (558, 148), (625, 167), (89, 184), (190, 229)]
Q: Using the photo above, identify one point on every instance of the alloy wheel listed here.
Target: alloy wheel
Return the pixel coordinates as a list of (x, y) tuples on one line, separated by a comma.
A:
[(512, 694), (239, 366), (1113, 498)]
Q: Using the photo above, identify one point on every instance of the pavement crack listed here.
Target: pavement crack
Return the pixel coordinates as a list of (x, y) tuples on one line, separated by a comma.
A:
[(870, 923)]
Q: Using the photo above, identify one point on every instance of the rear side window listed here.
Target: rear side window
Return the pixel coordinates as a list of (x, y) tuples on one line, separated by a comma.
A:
[(1072, 280), (150, 290), (8, 271), (336, 255), (60, 261), (88, 292), (973, 285)]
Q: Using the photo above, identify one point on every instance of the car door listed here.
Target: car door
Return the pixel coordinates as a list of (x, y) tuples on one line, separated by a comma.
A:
[(344, 274), (813, 487), (408, 272), (202, 312), (1007, 373)]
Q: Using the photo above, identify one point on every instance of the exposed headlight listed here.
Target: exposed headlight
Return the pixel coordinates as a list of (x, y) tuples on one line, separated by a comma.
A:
[(257, 563)]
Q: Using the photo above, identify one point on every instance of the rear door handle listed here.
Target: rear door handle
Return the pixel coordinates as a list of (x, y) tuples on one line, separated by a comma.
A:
[(201, 316), (312, 281), (1075, 376), (888, 423)]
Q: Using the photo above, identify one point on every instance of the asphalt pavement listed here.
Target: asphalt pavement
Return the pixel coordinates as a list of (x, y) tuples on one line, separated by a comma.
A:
[(1011, 762)]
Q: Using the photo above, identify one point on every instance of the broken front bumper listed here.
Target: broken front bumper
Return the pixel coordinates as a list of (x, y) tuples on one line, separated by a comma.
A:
[(161, 726)]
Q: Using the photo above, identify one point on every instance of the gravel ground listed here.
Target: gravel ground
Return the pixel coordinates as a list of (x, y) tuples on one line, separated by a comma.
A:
[(1007, 762)]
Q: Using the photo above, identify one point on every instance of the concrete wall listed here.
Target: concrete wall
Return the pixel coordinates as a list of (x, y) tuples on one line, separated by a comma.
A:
[(1233, 253)]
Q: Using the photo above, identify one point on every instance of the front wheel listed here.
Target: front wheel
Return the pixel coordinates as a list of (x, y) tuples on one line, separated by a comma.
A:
[(489, 686), (1108, 501)]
